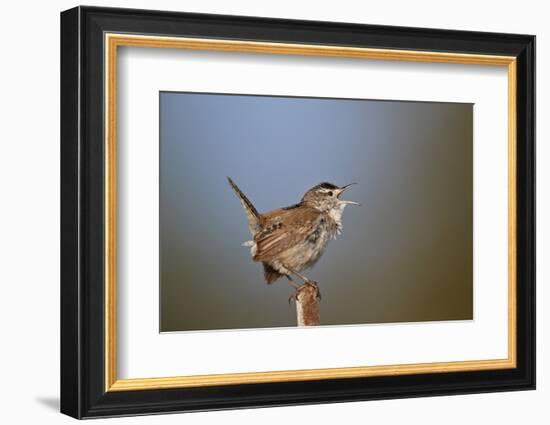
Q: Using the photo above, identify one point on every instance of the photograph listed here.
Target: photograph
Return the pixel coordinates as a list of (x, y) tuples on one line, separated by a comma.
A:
[(365, 205)]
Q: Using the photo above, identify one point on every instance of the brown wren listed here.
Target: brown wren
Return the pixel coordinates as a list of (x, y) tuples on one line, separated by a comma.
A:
[(291, 239)]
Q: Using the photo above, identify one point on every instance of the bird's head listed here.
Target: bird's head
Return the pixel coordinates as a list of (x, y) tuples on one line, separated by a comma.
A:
[(326, 196)]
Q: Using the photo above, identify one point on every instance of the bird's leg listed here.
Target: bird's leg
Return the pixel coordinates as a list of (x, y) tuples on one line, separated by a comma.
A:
[(291, 282), (306, 282), (301, 276)]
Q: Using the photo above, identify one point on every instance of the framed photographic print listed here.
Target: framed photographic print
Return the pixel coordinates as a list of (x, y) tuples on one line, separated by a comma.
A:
[(261, 212)]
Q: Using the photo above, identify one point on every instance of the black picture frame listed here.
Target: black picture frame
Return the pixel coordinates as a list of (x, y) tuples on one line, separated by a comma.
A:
[(83, 392)]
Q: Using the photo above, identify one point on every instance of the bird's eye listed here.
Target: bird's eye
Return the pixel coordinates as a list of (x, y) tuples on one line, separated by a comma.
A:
[(330, 193)]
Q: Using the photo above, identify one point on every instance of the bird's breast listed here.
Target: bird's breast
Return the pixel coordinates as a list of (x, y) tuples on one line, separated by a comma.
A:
[(306, 253), (335, 214)]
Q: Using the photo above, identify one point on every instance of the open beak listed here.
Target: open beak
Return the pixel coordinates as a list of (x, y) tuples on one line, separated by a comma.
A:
[(342, 190)]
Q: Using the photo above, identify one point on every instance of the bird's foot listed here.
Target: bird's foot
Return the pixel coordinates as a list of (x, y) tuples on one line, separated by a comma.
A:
[(315, 285), (310, 284)]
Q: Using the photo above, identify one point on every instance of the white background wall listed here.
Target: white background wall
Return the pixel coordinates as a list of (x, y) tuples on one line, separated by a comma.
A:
[(29, 224)]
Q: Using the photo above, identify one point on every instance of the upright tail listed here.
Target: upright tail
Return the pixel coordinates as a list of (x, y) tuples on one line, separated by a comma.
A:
[(252, 214)]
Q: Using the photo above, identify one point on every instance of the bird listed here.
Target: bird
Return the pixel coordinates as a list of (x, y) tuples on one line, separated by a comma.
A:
[(291, 239)]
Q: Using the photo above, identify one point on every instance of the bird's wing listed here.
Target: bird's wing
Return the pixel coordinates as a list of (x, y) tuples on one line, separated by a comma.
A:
[(279, 235)]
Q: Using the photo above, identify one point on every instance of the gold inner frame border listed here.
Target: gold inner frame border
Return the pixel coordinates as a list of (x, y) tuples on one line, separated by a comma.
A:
[(113, 40)]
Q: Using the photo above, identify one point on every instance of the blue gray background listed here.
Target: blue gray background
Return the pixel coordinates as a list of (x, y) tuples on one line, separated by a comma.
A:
[(404, 255)]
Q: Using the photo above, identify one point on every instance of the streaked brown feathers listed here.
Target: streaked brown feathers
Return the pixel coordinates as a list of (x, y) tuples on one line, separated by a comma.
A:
[(277, 237)]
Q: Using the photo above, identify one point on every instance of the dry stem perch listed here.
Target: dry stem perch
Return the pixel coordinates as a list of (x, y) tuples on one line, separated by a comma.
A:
[(308, 306)]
